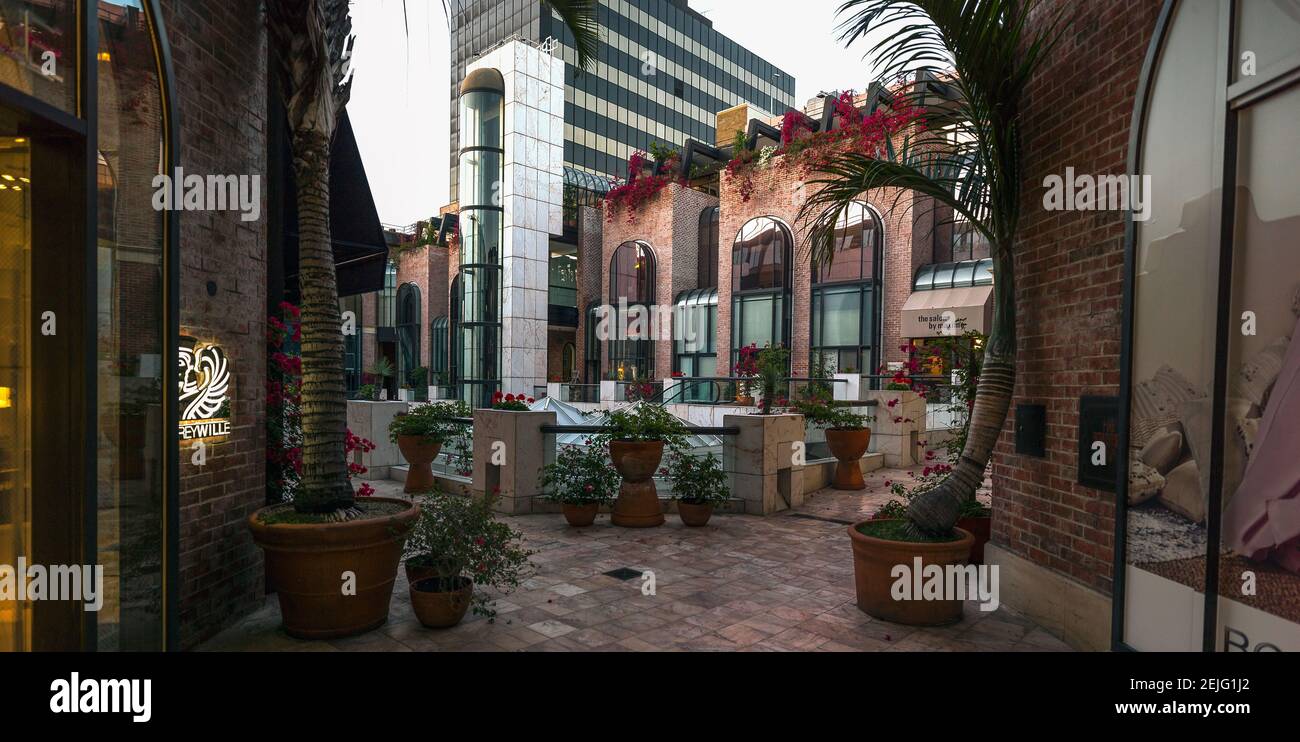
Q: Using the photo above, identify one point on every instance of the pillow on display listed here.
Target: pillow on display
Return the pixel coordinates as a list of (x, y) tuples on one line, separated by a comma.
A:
[(1197, 424), (1183, 494), (1258, 374), (1247, 429), (1144, 482), (1163, 451), (1157, 403)]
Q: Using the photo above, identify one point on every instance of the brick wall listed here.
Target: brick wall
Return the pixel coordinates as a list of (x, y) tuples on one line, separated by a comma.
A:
[(1069, 275), (590, 274), (220, 63)]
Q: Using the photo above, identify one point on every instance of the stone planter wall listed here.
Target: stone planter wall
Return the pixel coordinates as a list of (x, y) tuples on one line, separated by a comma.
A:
[(898, 430), (370, 421), (761, 461), (509, 453)]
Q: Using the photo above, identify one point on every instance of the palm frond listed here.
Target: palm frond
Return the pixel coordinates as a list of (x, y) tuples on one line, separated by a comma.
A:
[(580, 18), (967, 156)]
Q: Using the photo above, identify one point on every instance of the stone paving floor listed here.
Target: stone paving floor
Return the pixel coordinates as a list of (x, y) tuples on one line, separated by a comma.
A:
[(742, 583)]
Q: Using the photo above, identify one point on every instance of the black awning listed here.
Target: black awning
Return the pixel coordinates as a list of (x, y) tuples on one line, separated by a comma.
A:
[(360, 250)]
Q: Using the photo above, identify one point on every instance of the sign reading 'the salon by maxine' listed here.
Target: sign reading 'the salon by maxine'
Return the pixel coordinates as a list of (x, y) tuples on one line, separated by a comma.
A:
[(204, 392)]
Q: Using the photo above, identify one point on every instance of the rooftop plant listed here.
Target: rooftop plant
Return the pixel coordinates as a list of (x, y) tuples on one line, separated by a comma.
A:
[(581, 475), (644, 422)]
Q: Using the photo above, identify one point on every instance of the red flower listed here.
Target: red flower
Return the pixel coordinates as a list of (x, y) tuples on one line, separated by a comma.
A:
[(531, 400)]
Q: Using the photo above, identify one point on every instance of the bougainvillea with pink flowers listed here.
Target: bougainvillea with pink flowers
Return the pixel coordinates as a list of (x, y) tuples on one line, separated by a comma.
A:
[(284, 412), (811, 151)]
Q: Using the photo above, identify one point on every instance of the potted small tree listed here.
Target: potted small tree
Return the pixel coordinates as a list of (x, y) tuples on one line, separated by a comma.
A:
[(456, 546), (847, 436), (699, 485), (636, 440), (581, 480), (419, 435), (418, 380)]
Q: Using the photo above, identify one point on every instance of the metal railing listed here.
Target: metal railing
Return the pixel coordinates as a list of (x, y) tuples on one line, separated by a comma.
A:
[(723, 390)]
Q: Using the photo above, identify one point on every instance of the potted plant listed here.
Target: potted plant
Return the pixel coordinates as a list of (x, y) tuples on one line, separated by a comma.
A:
[(746, 367), (880, 546), (847, 436), (581, 480), (699, 485), (456, 546), (636, 438), (419, 435)]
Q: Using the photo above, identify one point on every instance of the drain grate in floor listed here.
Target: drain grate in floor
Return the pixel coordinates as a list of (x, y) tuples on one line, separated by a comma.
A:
[(624, 573), (822, 518)]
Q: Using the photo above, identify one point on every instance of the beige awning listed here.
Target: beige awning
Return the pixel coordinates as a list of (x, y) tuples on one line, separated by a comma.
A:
[(942, 312)]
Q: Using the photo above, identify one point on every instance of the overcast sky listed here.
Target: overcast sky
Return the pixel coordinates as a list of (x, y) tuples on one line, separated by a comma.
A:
[(400, 94)]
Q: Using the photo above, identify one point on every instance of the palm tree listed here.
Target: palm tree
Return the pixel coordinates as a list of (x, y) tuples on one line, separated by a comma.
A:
[(967, 158), (311, 39), (580, 18)]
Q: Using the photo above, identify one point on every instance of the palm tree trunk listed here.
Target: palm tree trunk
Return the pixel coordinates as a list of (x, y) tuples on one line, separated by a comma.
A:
[(325, 484), (936, 510)]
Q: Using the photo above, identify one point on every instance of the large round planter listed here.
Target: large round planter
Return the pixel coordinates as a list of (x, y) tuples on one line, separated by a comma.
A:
[(306, 563), (637, 505), (420, 455), (580, 516), (694, 515), (440, 610), (980, 528), (847, 446), (874, 560)]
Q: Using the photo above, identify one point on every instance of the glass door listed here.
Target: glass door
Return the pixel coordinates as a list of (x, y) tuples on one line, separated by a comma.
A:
[(15, 385)]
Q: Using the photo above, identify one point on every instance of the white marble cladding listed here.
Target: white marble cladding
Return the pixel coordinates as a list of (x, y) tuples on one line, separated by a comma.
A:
[(532, 197)]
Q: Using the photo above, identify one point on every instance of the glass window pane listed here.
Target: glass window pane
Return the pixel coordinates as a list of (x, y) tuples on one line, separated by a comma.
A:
[(1268, 29), (480, 178), (39, 38), (841, 318)]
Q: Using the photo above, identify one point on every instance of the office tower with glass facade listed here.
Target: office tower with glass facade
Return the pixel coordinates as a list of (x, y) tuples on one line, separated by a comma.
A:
[(663, 74)]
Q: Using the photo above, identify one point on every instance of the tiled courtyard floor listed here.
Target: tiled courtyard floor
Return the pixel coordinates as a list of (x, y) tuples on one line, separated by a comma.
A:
[(743, 583)]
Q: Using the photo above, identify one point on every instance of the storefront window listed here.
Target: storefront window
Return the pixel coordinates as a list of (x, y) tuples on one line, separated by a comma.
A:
[(1212, 416), (708, 248), (352, 344), (38, 46)]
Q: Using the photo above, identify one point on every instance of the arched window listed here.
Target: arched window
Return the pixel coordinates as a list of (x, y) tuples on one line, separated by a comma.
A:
[(631, 285), (760, 285), (707, 274), (568, 360), (408, 331), (846, 296)]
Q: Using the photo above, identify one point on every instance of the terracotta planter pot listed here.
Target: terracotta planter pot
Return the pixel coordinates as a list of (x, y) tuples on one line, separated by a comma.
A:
[(437, 609), (637, 505), (305, 562), (580, 516), (419, 454), (874, 559), (694, 515), (980, 528), (848, 446), (744, 400)]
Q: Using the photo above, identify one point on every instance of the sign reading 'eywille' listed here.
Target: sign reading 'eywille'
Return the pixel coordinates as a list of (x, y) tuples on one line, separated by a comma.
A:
[(204, 386)]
